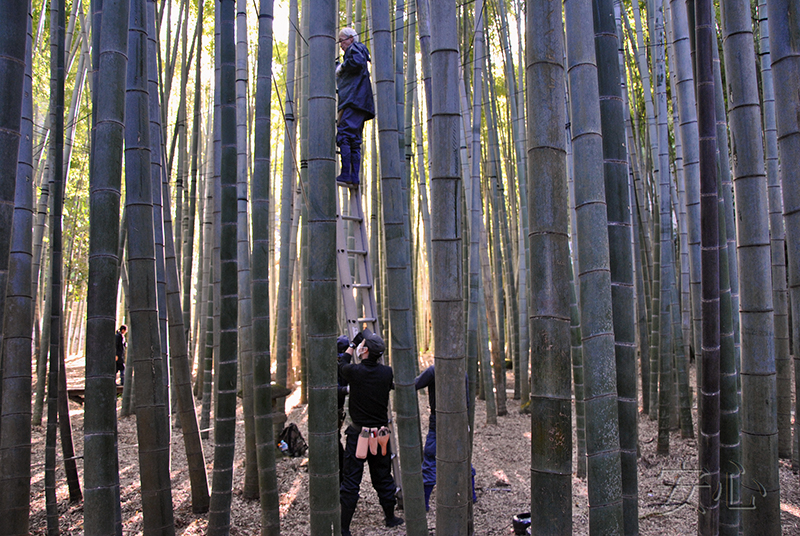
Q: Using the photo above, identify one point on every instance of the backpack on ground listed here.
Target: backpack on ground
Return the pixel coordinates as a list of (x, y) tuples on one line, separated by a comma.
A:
[(291, 441)]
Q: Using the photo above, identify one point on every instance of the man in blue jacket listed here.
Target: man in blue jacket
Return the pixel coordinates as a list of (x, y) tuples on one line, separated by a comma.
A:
[(356, 104), (427, 378)]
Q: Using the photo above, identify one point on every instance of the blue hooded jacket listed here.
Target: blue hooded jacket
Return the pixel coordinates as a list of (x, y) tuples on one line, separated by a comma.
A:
[(355, 89)]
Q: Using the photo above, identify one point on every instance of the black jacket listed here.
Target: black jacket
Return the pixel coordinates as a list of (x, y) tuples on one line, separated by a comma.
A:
[(355, 89), (341, 390), (428, 379), (121, 343), (370, 383)]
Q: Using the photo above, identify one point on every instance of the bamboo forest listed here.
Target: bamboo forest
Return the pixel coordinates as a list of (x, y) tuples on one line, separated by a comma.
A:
[(584, 215)]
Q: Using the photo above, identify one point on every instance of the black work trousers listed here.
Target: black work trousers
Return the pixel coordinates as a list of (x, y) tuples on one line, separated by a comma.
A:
[(380, 471)]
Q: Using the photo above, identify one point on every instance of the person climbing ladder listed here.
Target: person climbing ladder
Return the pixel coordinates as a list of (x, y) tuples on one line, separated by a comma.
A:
[(356, 103)]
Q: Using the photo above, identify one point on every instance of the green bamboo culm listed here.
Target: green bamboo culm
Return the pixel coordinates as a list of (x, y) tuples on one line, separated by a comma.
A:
[(453, 448), (188, 245), (667, 268), (549, 309), (245, 302), (602, 422), (179, 350), (759, 419), (101, 480), (227, 364), (12, 68), (399, 298), (477, 339), (260, 187), (288, 224), (709, 377), (16, 339), (522, 342), (780, 295), (57, 21), (679, 51), (576, 351), (615, 169), (321, 280), (655, 322), (730, 445), (146, 354), (785, 53)]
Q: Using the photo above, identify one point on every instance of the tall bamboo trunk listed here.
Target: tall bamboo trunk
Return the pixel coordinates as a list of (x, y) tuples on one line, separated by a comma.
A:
[(55, 414), (780, 296), (262, 392), (619, 237), (245, 302), (15, 421), (179, 359), (730, 446), (655, 323), (399, 298), (207, 297), (476, 312), (758, 374), (681, 315), (302, 268), (662, 168), (188, 246), (603, 451), (784, 54), (452, 452), (321, 281), (181, 186), (227, 363), (12, 69), (146, 352), (288, 184), (709, 378), (549, 316), (101, 480)]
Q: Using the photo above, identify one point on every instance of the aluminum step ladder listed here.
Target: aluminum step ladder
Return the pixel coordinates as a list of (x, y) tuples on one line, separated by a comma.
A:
[(353, 263), (356, 284)]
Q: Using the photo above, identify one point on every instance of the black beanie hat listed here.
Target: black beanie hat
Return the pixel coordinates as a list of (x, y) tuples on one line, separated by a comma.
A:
[(342, 343)]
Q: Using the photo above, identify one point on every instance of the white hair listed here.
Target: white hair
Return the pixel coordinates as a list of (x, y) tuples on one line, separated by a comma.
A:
[(347, 32)]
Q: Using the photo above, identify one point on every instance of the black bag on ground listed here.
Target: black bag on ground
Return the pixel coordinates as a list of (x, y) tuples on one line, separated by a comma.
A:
[(295, 444)]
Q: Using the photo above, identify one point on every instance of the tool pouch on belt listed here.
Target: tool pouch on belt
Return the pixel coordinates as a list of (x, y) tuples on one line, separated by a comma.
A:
[(373, 441), (363, 444), (383, 439)]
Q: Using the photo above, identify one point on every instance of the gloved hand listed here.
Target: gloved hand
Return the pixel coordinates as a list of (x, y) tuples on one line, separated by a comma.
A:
[(358, 338)]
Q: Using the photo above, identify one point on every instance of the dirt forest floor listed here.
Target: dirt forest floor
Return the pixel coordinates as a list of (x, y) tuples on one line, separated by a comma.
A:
[(501, 457)]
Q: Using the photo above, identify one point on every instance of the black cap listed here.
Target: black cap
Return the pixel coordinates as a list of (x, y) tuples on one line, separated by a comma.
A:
[(342, 343), (374, 343)]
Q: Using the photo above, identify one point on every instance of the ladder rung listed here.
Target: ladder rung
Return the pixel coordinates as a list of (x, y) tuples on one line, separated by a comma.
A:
[(362, 285), (357, 251), (347, 184), (370, 319), (351, 218)]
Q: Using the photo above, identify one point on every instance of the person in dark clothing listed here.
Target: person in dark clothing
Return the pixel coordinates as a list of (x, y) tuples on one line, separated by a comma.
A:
[(370, 383), (356, 103), (342, 344), (427, 378), (122, 345)]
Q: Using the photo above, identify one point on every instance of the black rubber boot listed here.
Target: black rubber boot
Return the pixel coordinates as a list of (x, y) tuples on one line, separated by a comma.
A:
[(347, 517), (391, 519), (355, 164), (346, 175)]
